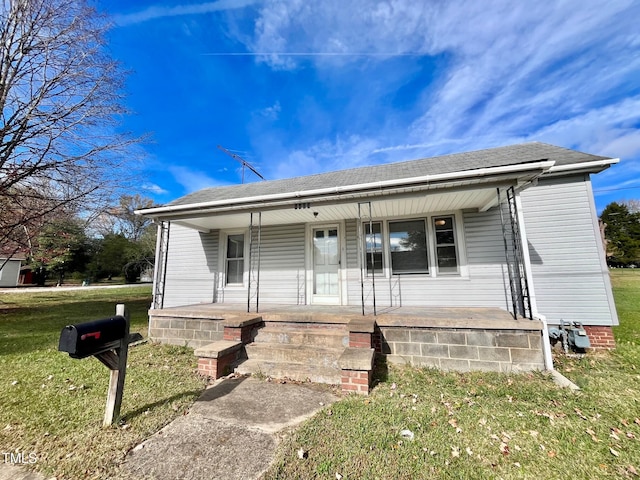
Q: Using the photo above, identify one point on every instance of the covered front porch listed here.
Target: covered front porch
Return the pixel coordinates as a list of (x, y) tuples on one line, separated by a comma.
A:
[(429, 270), (426, 246), (313, 342)]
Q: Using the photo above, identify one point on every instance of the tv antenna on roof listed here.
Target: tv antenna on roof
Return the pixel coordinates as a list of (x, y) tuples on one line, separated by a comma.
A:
[(242, 161)]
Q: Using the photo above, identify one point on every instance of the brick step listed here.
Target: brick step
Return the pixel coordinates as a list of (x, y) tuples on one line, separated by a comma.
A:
[(321, 337), (294, 371), (302, 354)]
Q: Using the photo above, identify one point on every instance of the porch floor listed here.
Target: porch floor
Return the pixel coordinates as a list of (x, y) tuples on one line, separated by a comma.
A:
[(449, 317)]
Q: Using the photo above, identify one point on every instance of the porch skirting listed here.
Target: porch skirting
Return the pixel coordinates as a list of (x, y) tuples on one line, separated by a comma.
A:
[(460, 339), (464, 349)]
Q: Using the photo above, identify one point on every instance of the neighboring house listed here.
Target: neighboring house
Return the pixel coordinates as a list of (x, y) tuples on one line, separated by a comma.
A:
[(10, 270), (445, 257)]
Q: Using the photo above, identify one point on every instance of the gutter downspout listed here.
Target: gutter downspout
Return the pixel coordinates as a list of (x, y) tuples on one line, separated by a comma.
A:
[(546, 344)]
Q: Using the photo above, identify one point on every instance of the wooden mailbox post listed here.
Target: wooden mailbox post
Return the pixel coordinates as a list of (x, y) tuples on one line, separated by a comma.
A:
[(108, 340)]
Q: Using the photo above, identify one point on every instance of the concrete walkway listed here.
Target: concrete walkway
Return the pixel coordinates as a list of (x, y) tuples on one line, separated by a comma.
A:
[(230, 432), (15, 472)]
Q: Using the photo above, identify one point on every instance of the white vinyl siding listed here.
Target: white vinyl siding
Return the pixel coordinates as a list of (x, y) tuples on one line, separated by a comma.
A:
[(194, 269), (192, 265), (482, 284), (282, 269), (570, 280), (282, 265)]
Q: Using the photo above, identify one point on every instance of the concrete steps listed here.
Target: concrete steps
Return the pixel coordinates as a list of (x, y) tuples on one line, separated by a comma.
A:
[(294, 371), (302, 354), (297, 351), (316, 336)]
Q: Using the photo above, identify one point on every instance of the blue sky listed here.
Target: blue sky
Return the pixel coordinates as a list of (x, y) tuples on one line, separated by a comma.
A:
[(297, 87)]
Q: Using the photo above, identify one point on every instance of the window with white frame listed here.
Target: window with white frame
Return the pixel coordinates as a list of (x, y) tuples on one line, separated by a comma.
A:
[(428, 245), (408, 247), (235, 259), (373, 247), (445, 243)]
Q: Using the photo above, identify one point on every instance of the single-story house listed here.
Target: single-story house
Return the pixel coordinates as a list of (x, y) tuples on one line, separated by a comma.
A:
[(10, 270), (459, 262)]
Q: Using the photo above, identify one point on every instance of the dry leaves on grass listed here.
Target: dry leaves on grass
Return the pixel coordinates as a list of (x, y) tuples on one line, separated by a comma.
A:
[(504, 449), (580, 414), (593, 435)]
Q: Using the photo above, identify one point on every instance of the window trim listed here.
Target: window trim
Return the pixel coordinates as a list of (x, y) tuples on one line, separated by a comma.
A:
[(224, 260), (383, 231), (456, 241), (427, 232), (460, 244)]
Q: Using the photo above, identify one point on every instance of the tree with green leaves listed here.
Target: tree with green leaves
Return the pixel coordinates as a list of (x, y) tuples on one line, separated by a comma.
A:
[(134, 236), (118, 255), (110, 257), (622, 234), (62, 247)]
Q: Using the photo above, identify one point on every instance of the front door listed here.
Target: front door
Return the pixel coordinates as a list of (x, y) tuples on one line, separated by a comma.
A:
[(326, 265)]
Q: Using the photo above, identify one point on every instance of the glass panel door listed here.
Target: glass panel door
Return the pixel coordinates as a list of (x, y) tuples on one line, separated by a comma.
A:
[(326, 264)]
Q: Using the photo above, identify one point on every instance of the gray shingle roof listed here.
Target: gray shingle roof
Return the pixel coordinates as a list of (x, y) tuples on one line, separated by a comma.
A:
[(492, 157)]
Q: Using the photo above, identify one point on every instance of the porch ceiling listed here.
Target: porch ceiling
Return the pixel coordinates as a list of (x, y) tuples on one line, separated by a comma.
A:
[(415, 204)]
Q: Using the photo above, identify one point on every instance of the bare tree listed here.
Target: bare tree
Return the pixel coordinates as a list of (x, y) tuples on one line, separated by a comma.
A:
[(122, 220), (632, 205), (61, 98)]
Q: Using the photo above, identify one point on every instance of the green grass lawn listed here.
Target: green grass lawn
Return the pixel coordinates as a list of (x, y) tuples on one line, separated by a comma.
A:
[(53, 405), (464, 426), (626, 291), (484, 425)]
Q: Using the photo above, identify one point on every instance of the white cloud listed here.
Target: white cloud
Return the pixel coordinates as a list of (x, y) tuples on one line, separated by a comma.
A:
[(512, 72), (498, 48), (193, 180), (518, 65), (402, 148), (336, 27), (326, 156), (156, 12), (272, 112), (609, 130), (155, 189)]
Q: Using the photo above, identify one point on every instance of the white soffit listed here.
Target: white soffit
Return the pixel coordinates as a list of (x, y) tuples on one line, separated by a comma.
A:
[(420, 204)]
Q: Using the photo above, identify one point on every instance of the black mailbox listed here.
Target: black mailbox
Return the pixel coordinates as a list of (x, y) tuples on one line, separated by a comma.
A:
[(91, 338)]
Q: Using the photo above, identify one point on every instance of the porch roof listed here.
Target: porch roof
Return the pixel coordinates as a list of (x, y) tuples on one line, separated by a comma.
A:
[(466, 180)]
